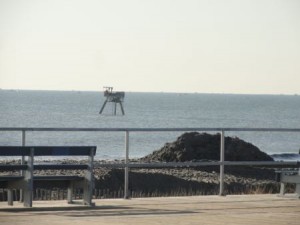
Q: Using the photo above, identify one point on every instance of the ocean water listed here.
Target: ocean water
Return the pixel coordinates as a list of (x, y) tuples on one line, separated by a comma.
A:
[(148, 110)]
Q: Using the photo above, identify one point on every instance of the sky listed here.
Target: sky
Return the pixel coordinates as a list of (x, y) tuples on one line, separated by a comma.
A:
[(203, 46)]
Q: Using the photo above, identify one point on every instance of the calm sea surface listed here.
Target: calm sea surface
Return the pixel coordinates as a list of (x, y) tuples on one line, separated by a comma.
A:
[(147, 110)]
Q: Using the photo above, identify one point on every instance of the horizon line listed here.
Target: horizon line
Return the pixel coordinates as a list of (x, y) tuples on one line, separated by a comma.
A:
[(163, 92)]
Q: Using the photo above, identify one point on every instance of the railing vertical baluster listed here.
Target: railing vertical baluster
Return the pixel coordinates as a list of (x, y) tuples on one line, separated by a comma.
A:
[(126, 169), (23, 137), (222, 159), (23, 144)]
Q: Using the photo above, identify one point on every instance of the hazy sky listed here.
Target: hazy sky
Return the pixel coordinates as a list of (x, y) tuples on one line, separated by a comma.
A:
[(205, 46)]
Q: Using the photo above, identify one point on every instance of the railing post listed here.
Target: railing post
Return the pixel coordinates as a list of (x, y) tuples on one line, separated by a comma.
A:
[(22, 162), (126, 178), (23, 144), (222, 159)]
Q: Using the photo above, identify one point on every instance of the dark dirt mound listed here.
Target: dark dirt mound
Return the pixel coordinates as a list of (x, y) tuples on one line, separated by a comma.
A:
[(196, 146)]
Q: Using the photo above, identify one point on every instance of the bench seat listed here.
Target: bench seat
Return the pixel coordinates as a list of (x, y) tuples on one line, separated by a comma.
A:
[(60, 167), (58, 178)]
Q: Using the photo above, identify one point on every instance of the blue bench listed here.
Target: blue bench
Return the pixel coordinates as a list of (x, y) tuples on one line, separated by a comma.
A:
[(26, 180)]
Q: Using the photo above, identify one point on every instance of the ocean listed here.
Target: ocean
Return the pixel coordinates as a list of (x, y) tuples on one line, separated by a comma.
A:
[(80, 109)]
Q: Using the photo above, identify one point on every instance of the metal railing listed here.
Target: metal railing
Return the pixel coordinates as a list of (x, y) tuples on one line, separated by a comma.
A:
[(127, 164)]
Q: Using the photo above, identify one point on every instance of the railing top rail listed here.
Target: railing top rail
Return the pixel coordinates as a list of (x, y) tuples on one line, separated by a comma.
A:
[(208, 129), (279, 164)]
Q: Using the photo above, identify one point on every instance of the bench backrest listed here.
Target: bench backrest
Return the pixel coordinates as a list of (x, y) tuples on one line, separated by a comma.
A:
[(14, 151), (48, 150)]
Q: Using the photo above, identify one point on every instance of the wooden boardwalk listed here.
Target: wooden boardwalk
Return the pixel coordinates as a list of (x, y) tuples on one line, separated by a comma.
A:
[(238, 209)]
